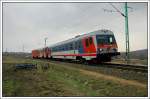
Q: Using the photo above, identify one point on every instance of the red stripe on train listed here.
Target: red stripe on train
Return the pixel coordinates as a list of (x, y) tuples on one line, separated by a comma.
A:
[(93, 54)]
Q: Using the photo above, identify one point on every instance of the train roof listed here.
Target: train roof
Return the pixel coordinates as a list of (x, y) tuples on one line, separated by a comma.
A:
[(97, 32), (78, 37)]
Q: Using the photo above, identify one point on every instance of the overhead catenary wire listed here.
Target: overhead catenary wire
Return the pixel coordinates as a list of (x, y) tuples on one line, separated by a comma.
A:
[(127, 58), (117, 10)]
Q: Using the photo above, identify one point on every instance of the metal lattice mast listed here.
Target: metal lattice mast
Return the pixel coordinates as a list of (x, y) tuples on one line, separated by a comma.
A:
[(125, 15), (127, 33)]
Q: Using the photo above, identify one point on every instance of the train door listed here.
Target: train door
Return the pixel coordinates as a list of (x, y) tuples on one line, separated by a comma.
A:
[(89, 46)]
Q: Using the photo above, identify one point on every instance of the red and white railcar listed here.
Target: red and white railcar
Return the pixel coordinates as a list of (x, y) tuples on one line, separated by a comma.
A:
[(97, 45)]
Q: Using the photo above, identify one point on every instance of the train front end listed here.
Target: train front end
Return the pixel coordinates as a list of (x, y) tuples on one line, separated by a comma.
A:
[(106, 46)]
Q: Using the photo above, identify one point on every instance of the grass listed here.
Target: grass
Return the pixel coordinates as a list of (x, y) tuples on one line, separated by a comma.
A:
[(91, 86), (125, 74), (59, 80)]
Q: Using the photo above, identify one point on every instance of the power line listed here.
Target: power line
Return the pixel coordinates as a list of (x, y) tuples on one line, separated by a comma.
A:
[(126, 27), (117, 10)]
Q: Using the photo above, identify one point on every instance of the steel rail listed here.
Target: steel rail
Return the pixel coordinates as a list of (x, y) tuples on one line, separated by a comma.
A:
[(142, 68), (138, 68)]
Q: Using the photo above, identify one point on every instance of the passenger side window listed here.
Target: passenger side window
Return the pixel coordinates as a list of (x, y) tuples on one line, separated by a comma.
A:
[(66, 47), (76, 45), (71, 47), (79, 44), (87, 42)]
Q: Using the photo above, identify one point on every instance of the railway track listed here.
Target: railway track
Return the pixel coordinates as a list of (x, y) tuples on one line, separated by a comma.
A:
[(141, 68), (138, 68)]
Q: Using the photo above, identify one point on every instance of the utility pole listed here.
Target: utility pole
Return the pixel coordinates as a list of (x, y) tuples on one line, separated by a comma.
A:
[(125, 15), (127, 34), (45, 41)]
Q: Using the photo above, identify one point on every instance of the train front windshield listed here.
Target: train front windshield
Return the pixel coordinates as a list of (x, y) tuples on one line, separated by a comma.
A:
[(105, 39)]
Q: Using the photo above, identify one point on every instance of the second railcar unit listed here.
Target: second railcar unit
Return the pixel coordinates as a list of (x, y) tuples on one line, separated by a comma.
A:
[(98, 45)]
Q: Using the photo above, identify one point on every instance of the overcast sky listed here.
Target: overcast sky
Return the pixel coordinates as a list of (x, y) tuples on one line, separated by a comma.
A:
[(29, 23)]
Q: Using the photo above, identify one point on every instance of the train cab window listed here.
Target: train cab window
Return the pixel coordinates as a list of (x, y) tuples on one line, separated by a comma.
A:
[(105, 39), (111, 40), (87, 42), (90, 40)]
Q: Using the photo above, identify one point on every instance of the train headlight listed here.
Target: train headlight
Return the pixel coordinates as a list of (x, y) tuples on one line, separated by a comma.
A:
[(100, 49)]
